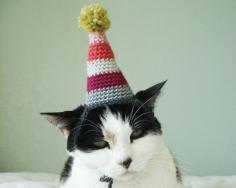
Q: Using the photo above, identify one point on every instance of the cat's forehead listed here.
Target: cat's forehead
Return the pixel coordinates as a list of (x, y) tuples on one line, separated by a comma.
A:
[(116, 118), (115, 123)]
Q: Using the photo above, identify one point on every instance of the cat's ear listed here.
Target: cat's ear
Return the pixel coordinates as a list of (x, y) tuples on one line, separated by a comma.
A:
[(150, 95), (64, 121)]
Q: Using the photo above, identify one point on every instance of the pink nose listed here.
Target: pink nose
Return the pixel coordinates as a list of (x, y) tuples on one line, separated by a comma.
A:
[(126, 163)]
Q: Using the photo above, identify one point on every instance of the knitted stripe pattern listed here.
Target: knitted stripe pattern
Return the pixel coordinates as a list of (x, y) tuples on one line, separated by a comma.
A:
[(105, 83)]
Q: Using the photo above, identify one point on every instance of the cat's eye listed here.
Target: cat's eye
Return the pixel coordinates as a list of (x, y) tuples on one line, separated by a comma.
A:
[(136, 134), (101, 144)]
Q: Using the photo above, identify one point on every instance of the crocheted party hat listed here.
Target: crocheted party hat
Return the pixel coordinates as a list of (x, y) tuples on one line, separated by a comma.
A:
[(105, 82)]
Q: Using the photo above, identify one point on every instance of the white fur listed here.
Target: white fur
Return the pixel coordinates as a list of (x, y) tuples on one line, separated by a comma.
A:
[(152, 165)]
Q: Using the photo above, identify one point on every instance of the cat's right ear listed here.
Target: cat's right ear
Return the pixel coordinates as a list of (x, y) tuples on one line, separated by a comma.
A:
[(64, 121)]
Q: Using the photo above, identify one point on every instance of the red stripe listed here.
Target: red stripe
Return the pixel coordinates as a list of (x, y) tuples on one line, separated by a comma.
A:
[(101, 50), (105, 80)]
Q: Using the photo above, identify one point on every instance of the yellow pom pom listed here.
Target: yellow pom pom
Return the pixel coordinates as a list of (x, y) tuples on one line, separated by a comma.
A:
[(93, 18)]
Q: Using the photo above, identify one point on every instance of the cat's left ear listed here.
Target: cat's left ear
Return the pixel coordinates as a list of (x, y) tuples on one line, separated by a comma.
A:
[(64, 121), (150, 95)]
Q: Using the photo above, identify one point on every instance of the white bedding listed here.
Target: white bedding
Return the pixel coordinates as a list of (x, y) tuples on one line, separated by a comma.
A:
[(42, 180), (28, 180)]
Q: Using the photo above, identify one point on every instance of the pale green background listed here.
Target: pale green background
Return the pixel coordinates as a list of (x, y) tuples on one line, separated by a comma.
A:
[(190, 43)]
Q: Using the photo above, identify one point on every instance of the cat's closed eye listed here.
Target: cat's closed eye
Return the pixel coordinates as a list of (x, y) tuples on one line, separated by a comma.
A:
[(136, 134), (100, 144)]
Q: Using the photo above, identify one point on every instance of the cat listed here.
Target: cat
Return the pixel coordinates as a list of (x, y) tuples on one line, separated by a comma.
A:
[(118, 145)]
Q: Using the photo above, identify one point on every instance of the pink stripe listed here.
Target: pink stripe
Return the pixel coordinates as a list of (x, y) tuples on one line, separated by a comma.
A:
[(105, 80), (101, 50)]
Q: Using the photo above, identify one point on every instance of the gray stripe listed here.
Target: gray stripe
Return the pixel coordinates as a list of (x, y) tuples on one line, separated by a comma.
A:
[(109, 95)]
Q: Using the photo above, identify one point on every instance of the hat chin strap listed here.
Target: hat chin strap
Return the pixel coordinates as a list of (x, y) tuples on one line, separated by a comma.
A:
[(107, 179)]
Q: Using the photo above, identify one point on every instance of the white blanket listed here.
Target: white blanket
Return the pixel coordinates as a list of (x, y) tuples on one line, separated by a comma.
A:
[(28, 180), (42, 180)]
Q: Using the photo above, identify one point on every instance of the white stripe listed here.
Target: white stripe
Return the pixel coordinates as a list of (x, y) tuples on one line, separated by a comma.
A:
[(95, 38), (101, 67)]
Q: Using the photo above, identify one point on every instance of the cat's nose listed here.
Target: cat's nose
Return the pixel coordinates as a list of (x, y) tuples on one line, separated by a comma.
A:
[(126, 163)]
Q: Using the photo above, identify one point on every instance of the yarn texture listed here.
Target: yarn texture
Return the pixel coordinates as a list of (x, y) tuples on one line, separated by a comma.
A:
[(106, 83), (93, 18)]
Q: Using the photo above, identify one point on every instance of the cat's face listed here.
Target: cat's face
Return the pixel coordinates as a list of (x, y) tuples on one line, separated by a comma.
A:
[(117, 140)]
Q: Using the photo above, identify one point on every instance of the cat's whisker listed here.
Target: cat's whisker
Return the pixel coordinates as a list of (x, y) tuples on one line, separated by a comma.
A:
[(167, 159), (153, 162), (89, 131), (156, 157), (144, 120), (131, 114), (91, 126), (139, 123), (89, 121), (162, 154), (141, 116), (184, 165), (88, 125), (96, 130), (178, 165), (184, 169), (141, 107), (166, 166), (180, 158), (138, 126), (181, 161)]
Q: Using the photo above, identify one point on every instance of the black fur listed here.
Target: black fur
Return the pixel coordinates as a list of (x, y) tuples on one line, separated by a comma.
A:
[(178, 173), (66, 172)]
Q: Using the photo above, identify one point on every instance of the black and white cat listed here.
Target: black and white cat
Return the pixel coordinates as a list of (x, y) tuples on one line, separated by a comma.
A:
[(118, 146)]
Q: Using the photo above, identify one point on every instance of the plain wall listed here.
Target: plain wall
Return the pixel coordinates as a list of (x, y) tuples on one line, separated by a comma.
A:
[(190, 43)]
